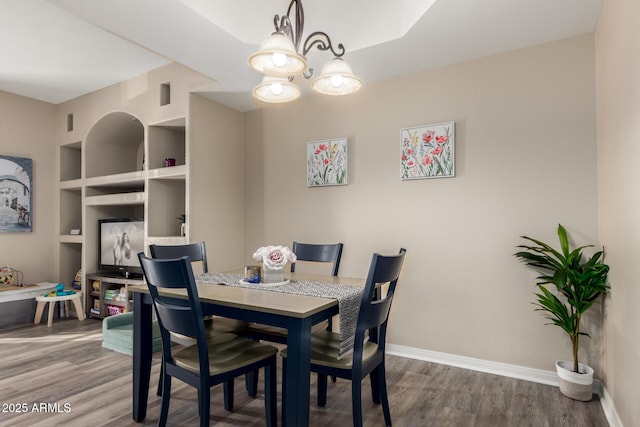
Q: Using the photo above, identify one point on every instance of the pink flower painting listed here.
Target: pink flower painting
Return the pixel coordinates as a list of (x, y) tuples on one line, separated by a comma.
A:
[(327, 162), (427, 151)]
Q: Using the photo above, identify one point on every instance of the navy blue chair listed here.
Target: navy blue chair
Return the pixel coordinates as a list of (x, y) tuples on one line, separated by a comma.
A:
[(368, 355), (325, 253), (318, 253), (213, 360), (197, 252), (329, 253)]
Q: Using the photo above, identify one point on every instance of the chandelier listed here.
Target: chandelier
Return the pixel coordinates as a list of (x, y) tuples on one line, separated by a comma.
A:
[(279, 61)]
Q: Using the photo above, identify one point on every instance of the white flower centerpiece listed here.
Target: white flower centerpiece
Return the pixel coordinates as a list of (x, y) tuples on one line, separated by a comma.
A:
[(274, 258)]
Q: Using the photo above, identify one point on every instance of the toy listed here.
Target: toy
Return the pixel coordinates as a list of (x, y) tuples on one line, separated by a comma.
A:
[(77, 281), (10, 276), (59, 292)]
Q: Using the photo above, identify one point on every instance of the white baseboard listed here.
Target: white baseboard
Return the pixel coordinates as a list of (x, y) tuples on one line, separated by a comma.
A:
[(609, 409), (513, 371)]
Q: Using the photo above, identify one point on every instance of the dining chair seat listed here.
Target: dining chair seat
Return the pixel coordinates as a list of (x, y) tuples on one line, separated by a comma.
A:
[(226, 353), (276, 333), (222, 325), (325, 349), (214, 326)]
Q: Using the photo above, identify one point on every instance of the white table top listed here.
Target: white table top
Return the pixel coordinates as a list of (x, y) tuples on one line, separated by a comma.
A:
[(27, 292)]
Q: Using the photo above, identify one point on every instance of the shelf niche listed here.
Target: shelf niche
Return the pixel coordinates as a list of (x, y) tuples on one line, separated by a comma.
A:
[(114, 145), (167, 141), (71, 214), (71, 161)]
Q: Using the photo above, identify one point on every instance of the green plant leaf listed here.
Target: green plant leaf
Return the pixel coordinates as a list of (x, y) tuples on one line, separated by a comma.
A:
[(578, 282)]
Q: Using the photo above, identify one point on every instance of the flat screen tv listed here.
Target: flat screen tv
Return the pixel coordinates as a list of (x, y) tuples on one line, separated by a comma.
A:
[(119, 241)]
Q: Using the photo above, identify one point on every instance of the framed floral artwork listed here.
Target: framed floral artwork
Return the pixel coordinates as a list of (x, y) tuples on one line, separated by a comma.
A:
[(427, 151), (327, 162)]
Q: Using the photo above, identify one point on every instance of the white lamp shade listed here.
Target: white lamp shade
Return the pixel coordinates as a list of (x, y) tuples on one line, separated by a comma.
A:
[(276, 90), (277, 57), (336, 78)]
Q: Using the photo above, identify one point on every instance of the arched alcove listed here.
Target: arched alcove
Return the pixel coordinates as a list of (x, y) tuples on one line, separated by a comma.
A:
[(114, 144)]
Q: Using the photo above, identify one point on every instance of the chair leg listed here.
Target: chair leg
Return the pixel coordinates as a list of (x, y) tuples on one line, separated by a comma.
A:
[(375, 386), (330, 328), (204, 402), (228, 395), (270, 399), (164, 409), (284, 392), (356, 401), (322, 390), (251, 382), (159, 391), (383, 394)]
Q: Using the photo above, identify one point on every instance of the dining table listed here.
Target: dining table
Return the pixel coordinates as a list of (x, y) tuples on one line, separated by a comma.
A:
[(259, 304)]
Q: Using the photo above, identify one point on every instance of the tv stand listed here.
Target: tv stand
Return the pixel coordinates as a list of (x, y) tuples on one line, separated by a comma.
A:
[(110, 296), (119, 275)]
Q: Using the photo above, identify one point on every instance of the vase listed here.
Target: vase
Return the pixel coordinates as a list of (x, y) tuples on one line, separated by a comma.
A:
[(272, 275), (575, 385)]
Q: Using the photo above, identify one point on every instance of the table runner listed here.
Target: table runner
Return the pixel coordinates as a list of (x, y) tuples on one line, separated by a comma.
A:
[(348, 297)]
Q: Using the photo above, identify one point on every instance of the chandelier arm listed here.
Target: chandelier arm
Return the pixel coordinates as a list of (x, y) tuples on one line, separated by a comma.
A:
[(296, 33), (323, 43), (282, 24)]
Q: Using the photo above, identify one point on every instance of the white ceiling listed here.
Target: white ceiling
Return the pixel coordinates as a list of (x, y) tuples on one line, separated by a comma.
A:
[(56, 50)]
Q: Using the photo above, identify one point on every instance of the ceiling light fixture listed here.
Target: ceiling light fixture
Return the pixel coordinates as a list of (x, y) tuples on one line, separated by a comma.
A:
[(278, 59)]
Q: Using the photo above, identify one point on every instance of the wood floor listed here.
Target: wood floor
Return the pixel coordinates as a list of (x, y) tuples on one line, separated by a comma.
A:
[(86, 385)]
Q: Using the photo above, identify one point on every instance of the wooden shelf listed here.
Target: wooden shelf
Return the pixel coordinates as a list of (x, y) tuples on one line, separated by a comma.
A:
[(172, 172), (122, 179), (72, 184), (116, 199), (70, 238)]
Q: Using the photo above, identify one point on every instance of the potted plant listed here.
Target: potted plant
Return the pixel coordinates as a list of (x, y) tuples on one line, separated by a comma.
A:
[(579, 281), (182, 219)]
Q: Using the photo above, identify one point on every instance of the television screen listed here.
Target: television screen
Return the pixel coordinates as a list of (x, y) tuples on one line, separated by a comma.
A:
[(120, 242)]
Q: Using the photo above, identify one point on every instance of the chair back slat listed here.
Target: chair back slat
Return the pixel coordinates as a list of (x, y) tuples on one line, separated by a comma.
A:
[(176, 318), (378, 313), (197, 252), (318, 253)]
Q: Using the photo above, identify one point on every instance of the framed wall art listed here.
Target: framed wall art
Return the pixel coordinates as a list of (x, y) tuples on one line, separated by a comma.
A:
[(327, 162), (428, 151), (16, 202)]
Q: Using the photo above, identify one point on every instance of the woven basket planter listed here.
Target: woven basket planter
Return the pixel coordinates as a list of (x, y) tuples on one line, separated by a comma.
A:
[(575, 385)]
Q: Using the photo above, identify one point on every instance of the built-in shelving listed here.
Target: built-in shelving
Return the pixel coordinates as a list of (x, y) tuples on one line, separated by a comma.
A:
[(108, 292), (120, 170)]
